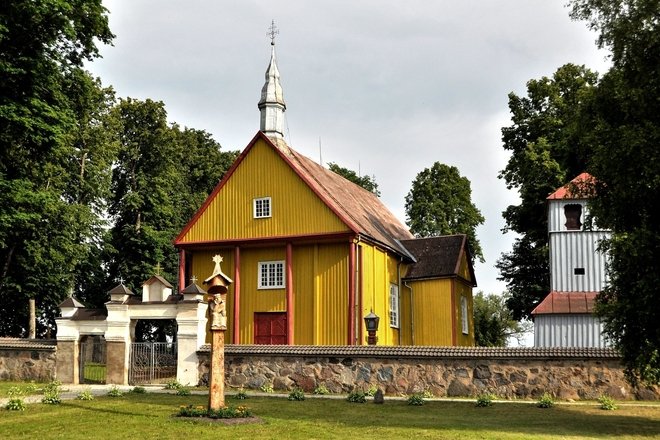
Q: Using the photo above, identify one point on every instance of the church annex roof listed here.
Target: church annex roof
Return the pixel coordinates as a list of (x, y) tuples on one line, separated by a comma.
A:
[(566, 302), (438, 257)]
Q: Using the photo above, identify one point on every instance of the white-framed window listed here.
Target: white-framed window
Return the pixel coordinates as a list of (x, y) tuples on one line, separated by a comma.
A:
[(271, 275), (261, 207), (464, 315), (394, 306)]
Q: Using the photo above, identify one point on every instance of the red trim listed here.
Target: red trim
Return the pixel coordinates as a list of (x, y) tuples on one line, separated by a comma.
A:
[(182, 270), (360, 330), (351, 293), (453, 314), (230, 172), (289, 294), (258, 241), (237, 296)]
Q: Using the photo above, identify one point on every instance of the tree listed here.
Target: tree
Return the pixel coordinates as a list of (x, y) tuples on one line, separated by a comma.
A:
[(162, 175), (626, 164), (549, 141), (42, 48), (494, 323), (366, 182), (440, 203)]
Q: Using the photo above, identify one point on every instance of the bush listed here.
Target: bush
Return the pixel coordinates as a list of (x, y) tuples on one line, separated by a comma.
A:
[(226, 412), (546, 401), (173, 385), (485, 400), (428, 394), (15, 402), (85, 395), (52, 393), (321, 390), (241, 394), (267, 387), (183, 391), (115, 392), (416, 399), (139, 390), (607, 403), (356, 396), (296, 394), (371, 391)]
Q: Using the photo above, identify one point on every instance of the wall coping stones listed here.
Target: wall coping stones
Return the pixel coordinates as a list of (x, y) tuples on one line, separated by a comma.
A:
[(28, 344), (424, 352)]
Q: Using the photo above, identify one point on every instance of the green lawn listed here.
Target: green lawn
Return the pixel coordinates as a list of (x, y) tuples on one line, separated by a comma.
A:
[(150, 416), (6, 385)]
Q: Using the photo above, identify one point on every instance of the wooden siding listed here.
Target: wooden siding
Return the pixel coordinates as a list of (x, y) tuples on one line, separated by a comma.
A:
[(331, 294), (432, 308), (262, 173), (462, 289)]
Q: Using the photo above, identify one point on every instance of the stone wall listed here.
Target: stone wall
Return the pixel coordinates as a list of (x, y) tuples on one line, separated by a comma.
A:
[(445, 371), (25, 360)]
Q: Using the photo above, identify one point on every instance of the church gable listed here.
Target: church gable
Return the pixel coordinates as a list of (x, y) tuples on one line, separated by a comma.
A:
[(261, 197)]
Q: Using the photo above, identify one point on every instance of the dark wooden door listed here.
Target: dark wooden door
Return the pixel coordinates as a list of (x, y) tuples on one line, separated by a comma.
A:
[(270, 328)]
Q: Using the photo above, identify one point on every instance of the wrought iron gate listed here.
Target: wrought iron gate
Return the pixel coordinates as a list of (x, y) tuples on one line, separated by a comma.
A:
[(92, 360), (152, 362)]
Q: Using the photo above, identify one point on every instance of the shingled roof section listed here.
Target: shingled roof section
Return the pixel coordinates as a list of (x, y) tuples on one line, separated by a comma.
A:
[(362, 207), (419, 352), (437, 257), (556, 303)]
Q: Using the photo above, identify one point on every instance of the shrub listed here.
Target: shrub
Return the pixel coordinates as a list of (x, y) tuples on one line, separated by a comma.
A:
[(139, 390), (85, 395), (296, 394), (15, 402), (485, 400), (427, 394), (227, 412), (115, 392), (607, 403), (321, 390), (183, 391), (416, 399), (356, 396), (52, 393), (371, 391), (546, 401), (267, 387), (173, 385), (241, 394)]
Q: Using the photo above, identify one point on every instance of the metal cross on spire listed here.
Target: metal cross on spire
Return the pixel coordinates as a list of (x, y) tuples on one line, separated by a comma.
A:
[(272, 31)]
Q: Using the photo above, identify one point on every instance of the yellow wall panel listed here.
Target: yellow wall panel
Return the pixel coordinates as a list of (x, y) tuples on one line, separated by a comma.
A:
[(462, 289), (263, 173), (303, 294), (332, 294), (433, 311)]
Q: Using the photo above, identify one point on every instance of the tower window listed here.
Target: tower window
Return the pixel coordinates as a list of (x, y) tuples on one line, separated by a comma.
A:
[(578, 271), (573, 213)]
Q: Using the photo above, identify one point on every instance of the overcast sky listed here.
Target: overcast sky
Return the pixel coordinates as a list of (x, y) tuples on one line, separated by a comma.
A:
[(387, 87)]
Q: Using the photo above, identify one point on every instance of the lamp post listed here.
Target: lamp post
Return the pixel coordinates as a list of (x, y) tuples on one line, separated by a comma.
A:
[(371, 322)]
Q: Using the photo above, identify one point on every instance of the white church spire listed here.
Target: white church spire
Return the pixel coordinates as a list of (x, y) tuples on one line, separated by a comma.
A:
[(271, 105)]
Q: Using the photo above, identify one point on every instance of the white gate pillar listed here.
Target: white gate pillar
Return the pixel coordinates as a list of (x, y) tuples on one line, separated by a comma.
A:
[(191, 335)]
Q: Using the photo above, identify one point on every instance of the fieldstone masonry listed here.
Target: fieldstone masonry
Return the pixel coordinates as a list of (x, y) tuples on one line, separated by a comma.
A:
[(568, 374), (25, 359)]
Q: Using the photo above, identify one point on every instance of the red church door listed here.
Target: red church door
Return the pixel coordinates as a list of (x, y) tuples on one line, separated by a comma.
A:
[(270, 328)]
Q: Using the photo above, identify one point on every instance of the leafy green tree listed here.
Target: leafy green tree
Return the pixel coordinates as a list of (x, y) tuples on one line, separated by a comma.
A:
[(366, 182), (163, 174), (626, 164), (550, 142), (42, 48), (494, 323), (440, 203)]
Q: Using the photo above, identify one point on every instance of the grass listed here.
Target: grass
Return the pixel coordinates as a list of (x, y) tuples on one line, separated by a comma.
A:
[(94, 373), (37, 388), (150, 416)]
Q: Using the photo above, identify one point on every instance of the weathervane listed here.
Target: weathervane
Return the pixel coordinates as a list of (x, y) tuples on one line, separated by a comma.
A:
[(272, 31)]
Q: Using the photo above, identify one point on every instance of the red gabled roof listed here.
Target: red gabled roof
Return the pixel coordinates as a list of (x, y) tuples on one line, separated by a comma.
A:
[(578, 188), (359, 209), (566, 302)]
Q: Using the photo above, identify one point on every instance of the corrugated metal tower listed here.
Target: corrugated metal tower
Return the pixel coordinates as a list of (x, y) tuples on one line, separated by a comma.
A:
[(577, 272)]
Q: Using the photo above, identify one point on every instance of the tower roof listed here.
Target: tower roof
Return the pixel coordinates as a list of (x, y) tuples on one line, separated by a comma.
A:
[(271, 105), (578, 188)]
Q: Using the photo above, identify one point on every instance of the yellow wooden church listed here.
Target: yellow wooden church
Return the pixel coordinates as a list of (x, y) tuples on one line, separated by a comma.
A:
[(311, 253)]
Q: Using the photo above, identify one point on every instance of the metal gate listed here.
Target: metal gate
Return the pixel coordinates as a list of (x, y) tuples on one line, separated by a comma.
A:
[(152, 362), (92, 360)]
